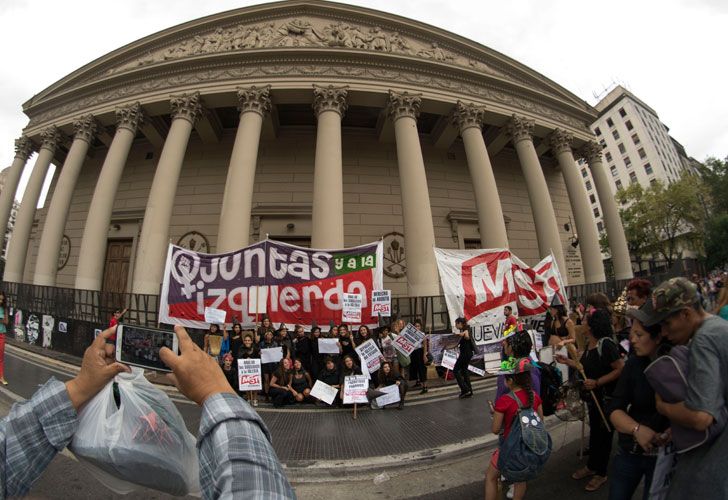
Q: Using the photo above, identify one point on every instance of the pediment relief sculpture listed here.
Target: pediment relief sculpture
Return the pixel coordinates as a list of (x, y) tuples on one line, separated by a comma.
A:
[(304, 33)]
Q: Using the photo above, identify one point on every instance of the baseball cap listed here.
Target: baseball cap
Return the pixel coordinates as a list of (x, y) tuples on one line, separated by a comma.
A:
[(642, 314), (671, 296)]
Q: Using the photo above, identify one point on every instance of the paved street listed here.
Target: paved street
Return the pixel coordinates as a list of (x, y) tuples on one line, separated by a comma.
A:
[(320, 448)]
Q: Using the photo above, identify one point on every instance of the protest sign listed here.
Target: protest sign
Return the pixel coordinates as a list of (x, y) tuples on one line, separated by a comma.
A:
[(214, 316), (369, 354), (476, 370), (271, 355), (355, 389), (324, 392), (391, 395), (382, 303), (478, 284), (291, 284), (249, 376), (351, 312), (409, 339), (449, 357), (328, 346)]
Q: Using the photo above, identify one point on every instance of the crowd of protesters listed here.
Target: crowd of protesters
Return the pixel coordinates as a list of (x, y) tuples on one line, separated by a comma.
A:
[(291, 380)]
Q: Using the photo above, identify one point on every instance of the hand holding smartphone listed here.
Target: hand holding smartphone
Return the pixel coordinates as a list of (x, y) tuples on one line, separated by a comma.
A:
[(139, 346)]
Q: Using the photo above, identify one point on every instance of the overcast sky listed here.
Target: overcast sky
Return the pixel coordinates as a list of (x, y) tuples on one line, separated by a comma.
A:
[(664, 51)]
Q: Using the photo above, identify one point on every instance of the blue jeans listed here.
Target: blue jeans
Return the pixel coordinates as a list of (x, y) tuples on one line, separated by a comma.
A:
[(627, 471)]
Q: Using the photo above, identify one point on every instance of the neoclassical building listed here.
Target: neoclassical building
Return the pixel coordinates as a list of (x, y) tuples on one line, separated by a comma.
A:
[(311, 122)]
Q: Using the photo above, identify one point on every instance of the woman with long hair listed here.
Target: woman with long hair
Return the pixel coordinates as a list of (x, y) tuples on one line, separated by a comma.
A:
[(268, 342), (418, 364), (388, 375), (3, 330), (280, 391), (602, 365), (465, 344), (213, 341), (346, 342), (299, 381), (348, 368), (236, 339), (248, 350), (633, 413), (560, 326)]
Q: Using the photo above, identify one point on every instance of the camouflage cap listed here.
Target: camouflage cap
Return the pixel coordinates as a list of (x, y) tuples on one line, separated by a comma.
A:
[(671, 296)]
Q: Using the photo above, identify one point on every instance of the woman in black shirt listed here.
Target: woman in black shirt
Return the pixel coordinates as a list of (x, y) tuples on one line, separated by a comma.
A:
[(345, 341), (249, 350), (418, 365), (348, 368), (300, 382), (302, 348), (633, 413), (389, 376), (602, 365), (462, 374), (280, 390)]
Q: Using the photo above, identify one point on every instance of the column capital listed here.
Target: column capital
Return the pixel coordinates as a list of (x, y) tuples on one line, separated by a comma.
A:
[(85, 128), (186, 106), (520, 129), (50, 138), (255, 99), (129, 117), (403, 104), (23, 147), (591, 152), (466, 116), (560, 141), (330, 98)]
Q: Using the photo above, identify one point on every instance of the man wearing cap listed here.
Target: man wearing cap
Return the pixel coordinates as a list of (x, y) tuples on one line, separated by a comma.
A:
[(700, 473)]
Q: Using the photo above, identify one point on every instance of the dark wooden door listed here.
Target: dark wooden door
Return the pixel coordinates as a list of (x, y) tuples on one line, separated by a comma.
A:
[(116, 270)]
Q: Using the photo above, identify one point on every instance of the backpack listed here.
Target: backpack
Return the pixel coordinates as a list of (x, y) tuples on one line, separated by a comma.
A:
[(550, 387), (525, 451)]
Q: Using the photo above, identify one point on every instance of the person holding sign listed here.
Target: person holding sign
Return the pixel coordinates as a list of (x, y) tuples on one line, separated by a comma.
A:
[(466, 346), (212, 341), (388, 375), (280, 392), (386, 346), (268, 368), (348, 368), (418, 367), (330, 375), (299, 382), (249, 351), (362, 335)]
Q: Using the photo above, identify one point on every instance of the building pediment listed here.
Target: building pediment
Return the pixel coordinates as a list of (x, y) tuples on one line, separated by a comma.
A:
[(283, 29)]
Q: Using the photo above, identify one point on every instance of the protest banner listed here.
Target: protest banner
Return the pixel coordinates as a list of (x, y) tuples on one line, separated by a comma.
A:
[(272, 355), (476, 370), (249, 375), (355, 389), (369, 354), (391, 395), (382, 303), (409, 339), (291, 284), (478, 284), (214, 316), (352, 304), (328, 346), (324, 392), (449, 357)]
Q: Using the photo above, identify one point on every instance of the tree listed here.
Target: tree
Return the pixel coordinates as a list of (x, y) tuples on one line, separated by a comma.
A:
[(664, 219), (714, 174), (716, 241)]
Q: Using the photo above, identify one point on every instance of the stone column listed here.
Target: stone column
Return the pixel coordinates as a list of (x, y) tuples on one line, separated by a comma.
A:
[(237, 201), (586, 228), (544, 217), (327, 219), (621, 261), (419, 235), (469, 120), (23, 149), (18, 247), (154, 239), (92, 256), (50, 241)]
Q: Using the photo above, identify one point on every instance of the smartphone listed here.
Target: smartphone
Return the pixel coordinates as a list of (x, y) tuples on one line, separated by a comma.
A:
[(139, 346)]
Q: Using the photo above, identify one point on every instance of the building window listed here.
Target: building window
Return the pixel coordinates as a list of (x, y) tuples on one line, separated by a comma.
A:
[(615, 134), (613, 169), (622, 112), (584, 173), (592, 198), (597, 131), (600, 226), (596, 212), (641, 152), (653, 182), (629, 125), (621, 148), (588, 185), (648, 169), (603, 143), (608, 156), (610, 122), (635, 138), (627, 162), (632, 177), (618, 184)]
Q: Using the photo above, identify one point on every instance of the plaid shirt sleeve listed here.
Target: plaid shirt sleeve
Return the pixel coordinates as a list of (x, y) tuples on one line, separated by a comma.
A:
[(237, 459), (31, 435)]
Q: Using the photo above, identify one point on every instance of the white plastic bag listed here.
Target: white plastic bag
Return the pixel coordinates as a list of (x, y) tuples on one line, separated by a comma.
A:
[(143, 442)]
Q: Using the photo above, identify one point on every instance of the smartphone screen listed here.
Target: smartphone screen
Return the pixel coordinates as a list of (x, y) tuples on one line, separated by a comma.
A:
[(139, 346)]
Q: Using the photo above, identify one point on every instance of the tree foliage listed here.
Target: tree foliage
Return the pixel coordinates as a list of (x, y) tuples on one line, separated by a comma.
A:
[(714, 174), (664, 219)]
